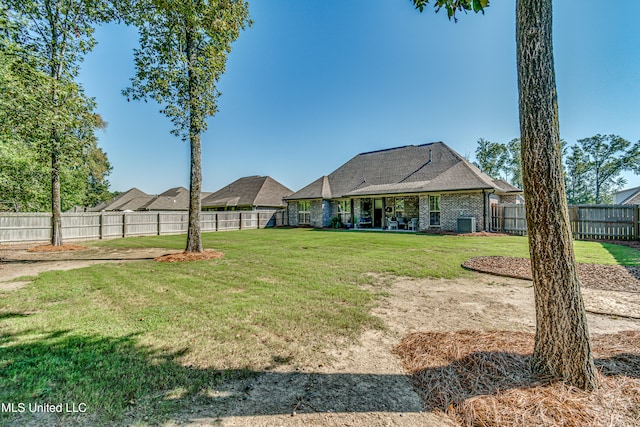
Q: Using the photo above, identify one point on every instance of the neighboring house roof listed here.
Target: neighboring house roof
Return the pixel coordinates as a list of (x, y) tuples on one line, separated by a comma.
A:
[(174, 199), (136, 204), (629, 196), (122, 199), (633, 200), (506, 187), (135, 200), (429, 167), (249, 191)]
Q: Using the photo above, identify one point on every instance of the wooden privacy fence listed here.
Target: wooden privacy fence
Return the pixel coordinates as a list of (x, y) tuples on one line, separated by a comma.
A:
[(509, 218), (36, 227), (588, 222)]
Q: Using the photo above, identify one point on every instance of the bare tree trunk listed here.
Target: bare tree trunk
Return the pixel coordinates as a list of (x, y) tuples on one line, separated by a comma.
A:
[(56, 203), (562, 349), (56, 209), (194, 241)]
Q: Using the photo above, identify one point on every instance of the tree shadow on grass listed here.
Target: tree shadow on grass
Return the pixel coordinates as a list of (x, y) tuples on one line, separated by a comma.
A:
[(115, 378), (11, 315), (618, 249), (116, 381), (41, 261)]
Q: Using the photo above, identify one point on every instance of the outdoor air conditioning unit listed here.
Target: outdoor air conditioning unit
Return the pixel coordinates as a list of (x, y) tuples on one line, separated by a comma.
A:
[(466, 225)]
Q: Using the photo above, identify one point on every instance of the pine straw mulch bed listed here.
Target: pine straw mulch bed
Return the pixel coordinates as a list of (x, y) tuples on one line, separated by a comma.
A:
[(484, 379), (61, 248), (190, 256), (596, 276)]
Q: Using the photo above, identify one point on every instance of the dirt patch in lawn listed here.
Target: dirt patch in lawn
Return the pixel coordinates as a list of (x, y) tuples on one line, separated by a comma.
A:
[(60, 248), (190, 256), (21, 261), (612, 290)]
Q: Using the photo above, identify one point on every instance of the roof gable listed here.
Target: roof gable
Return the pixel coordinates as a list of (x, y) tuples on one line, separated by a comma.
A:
[(174, 199), (122, 199), (422, 168), (628, 196), (634, 199), (249, 191)]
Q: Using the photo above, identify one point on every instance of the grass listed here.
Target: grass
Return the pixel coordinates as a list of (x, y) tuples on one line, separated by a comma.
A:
[(143, 339)]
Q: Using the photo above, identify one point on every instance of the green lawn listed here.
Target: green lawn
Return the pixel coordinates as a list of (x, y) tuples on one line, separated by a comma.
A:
[(144, 338)]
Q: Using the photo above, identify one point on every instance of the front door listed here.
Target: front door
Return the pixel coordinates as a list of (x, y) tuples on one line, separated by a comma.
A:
[(378, 213)]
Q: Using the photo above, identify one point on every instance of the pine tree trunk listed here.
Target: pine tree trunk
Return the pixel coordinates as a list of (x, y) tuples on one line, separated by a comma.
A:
[(194, 241), (56, 209), (56, 203), (562, 349)]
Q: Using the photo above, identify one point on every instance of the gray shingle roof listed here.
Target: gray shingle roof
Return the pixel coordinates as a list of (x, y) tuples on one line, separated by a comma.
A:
[(119, 202), (410, 169), (506, 187), (174, 199), (137, 204), (250, 191), (627, 196), (633, 200)]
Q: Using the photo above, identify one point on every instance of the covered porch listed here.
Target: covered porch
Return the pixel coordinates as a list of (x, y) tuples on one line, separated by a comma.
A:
[(398, 213)]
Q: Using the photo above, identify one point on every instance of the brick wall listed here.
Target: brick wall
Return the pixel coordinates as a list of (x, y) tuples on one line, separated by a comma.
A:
[(326, 213), (423, 208), (509, 199), (320, 213), (453, 206), (292, 209), (316, 213)]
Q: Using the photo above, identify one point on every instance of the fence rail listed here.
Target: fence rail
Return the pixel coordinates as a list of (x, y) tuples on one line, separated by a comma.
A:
[(588, 222), (36, 227)]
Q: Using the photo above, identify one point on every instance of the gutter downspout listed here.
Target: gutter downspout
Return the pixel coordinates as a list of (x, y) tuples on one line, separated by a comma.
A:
[(484, 207), (484, 210)]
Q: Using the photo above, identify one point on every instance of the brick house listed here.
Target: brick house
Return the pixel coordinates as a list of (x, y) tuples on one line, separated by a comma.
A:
[(423, 187)]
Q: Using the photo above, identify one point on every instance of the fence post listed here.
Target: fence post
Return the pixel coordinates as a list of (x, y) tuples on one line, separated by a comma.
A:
[(258, 219), (124, 225), (574, 223), (239, 220), (100, 226)]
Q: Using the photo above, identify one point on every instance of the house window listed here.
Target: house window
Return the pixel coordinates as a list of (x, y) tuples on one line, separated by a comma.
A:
[(434, 211), (344, 211), (304, 212)]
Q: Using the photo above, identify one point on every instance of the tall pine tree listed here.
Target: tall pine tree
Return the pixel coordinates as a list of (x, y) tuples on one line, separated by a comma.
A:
[(183, 51)]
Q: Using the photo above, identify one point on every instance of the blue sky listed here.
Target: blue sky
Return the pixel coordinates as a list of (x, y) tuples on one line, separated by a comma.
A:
[(314, 83)]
